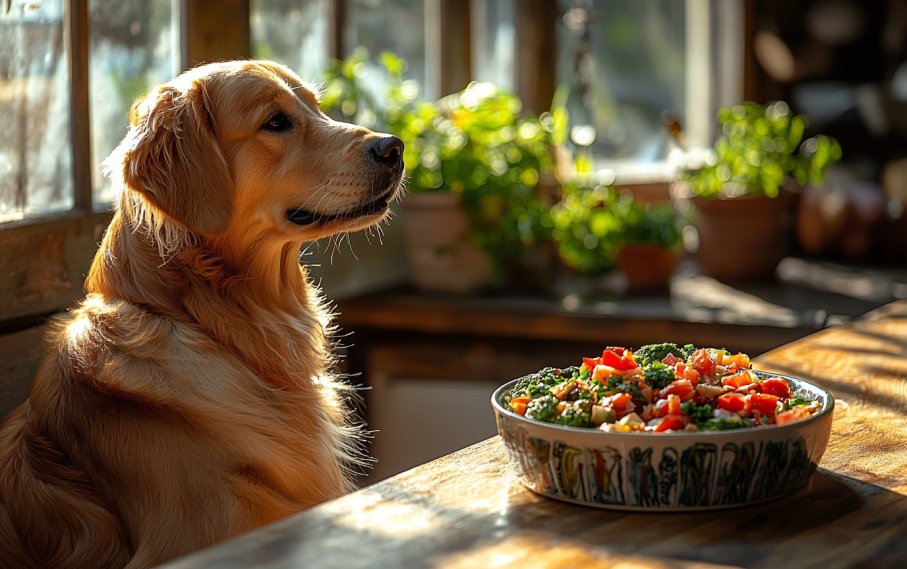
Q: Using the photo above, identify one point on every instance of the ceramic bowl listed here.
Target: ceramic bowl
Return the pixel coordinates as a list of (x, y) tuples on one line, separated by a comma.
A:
[(681, 471)]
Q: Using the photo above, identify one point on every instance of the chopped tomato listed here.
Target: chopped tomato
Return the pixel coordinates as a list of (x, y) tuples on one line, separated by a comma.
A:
[(785, 417), (685, 372), (518, 404), (670, 422), (670, 360), (765, 404), (622, 403), (617, 350), (660, 409), (610, 358), (740, 360), (737, 380), (681, 387), (703, 362), (735, 403), (777, 387)]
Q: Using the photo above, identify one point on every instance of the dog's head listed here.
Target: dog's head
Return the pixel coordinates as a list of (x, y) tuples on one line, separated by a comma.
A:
[(242, 147)]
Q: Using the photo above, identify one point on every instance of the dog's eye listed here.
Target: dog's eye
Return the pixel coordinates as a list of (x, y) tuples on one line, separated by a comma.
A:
[(277, 123)]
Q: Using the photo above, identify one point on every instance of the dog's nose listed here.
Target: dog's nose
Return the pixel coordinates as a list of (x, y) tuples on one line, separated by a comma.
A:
[(387, 150)]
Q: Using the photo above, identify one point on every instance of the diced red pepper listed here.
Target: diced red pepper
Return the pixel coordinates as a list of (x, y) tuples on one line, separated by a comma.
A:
[(765, 404), (777, 387), (670, 422), (609, 358), (735, 403), (592, 362)]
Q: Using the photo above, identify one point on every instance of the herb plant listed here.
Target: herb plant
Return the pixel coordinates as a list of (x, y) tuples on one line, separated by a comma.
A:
[(475, 143), (759, 150)]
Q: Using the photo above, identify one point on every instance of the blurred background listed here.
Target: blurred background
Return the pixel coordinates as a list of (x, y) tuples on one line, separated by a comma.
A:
[(582, 173)]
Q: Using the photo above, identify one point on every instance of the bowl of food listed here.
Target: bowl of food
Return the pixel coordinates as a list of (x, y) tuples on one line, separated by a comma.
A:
[(666, 428)]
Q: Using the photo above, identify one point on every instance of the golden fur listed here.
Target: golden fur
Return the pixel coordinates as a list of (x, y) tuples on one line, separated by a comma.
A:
[(190, 396)]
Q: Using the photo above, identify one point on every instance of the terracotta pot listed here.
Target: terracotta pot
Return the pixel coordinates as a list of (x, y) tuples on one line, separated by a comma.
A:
[(441, 255), (741, 238), (647, 267)]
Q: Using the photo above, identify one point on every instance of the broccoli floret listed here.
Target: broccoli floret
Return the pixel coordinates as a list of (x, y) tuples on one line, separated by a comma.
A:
[(615, 383), (658, 375), (551, 376), (653, 353), (722, 424), (699, 414), (521, 387), (577, 415), (688, 351), (543, 409)]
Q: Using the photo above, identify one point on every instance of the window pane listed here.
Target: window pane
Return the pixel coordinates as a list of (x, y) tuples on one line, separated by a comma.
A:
[(623, 61), (389, 25), (292, 32), (134, 44), (35, 147), (494, 42)]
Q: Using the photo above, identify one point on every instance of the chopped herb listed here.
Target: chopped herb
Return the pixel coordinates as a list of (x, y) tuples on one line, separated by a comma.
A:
[(699, 414), (654, 353), (722, 424), (658, 375)]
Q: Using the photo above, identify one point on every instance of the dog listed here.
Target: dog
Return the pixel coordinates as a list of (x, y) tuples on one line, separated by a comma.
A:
[(190, 397)]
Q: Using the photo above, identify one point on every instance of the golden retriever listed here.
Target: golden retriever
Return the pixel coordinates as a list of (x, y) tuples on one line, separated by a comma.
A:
[(190, 396)]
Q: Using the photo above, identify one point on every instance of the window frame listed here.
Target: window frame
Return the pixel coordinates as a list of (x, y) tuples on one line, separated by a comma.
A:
[(45, 258)]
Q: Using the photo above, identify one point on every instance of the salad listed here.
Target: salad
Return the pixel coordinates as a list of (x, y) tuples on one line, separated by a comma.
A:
[(659, 388)]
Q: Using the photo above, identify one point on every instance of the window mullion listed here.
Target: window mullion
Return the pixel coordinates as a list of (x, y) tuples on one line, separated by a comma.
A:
[(337, 11), (77, 29)]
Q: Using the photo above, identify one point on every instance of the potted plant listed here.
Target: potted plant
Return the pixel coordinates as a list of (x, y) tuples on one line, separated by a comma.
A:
[(741, 197), (474, 210), (649, 245), (598, 230)]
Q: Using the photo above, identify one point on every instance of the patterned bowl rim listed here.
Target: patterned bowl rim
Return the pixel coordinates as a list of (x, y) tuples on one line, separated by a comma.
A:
[(826, 409)]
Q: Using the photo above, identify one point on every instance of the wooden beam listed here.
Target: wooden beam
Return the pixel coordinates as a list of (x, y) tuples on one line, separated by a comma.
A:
[(79, 120), (45, 262), (215, 30), (337, 16), (456, 47), (536, 53)]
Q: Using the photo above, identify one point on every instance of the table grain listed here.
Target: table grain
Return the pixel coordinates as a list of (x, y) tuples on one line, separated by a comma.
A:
[(467, 509)]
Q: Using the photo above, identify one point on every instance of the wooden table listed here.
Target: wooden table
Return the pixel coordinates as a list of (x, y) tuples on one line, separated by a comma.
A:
[(466, 509)]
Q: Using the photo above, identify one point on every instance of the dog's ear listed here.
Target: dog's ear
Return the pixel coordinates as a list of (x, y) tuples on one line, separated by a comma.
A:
[(171, 156)]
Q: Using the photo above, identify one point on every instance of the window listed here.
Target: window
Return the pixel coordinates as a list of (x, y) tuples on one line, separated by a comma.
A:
[(630, 66), (36, 175), (293, 32), (69, 70), (133, 45)]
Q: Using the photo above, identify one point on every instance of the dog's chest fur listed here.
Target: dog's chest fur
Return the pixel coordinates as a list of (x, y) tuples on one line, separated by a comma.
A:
[(272, 449)]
